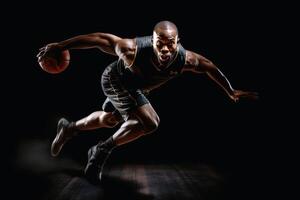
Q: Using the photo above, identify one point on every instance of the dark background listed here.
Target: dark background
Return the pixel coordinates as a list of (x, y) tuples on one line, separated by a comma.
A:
[(198, 121)]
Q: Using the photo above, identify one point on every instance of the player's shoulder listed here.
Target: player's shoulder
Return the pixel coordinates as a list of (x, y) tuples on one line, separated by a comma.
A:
[(126, 44), (190, 57)]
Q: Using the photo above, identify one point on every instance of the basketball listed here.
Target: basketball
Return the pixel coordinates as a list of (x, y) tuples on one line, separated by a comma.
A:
[(55, 63)]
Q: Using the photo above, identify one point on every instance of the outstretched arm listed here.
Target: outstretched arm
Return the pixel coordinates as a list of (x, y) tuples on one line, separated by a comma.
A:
[(199, 64), (104, 41)]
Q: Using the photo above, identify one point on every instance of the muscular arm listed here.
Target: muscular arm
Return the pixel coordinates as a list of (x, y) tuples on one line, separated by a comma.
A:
[(199, 64), (108, 43), (104, 41)]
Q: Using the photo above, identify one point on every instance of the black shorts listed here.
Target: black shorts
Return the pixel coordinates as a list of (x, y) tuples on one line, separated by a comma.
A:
[(121, 98)]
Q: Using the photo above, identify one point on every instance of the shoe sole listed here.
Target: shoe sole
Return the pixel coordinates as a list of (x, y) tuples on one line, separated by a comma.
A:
[(55, 141)]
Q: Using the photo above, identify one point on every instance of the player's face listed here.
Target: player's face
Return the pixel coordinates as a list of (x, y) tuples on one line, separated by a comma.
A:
[(165, 45)]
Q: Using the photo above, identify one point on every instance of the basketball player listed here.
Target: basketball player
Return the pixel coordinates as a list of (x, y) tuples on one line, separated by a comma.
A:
[(143, 64)]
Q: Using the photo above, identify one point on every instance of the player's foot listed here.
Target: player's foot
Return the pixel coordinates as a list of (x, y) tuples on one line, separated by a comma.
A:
[(97, 156), (64, 133)]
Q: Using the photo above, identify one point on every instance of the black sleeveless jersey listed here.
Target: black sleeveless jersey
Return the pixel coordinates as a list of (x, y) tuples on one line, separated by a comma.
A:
[(144, 73)]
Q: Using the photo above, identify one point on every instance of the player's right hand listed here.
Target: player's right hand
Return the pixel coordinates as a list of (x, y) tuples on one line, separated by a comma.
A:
[(47, 50), (238, 94)]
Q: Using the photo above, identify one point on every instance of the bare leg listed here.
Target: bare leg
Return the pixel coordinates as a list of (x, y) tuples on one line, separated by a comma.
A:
[(129, 131), (66, 130), (98, 119), (142, 121)]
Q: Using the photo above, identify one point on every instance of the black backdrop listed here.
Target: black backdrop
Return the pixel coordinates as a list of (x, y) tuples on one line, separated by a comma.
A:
[(198, 121)]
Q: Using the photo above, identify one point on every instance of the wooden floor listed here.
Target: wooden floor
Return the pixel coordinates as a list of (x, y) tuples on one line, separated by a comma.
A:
[(37, 175), (139, 182)]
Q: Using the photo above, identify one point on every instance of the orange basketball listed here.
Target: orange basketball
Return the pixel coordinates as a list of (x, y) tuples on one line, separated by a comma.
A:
[(56, 62)]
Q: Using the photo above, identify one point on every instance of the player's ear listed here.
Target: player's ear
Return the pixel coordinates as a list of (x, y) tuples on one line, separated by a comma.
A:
[(178, 40)]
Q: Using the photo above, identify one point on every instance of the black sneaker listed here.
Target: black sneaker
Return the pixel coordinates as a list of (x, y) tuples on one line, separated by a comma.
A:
[(97, 157), (64, 133)]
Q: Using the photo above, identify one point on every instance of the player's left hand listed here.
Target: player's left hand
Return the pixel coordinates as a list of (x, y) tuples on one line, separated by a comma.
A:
[(237, 94)]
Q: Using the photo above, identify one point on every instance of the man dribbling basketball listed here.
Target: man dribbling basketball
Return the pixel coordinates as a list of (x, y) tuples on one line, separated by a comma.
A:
[(143, 64)]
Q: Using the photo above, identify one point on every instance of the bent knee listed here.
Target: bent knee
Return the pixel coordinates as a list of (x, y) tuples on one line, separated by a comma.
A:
[(151, 125)]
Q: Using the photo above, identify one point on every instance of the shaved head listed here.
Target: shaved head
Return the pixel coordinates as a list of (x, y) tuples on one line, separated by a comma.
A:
[(165, 26)]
